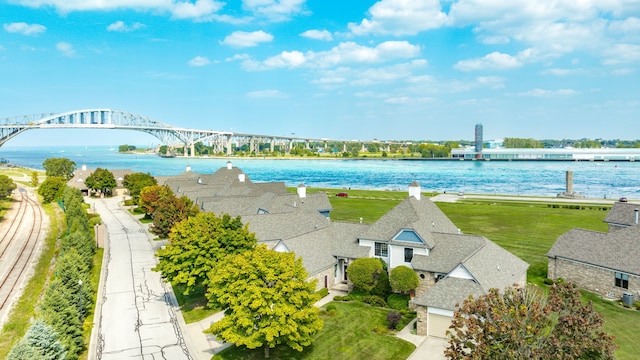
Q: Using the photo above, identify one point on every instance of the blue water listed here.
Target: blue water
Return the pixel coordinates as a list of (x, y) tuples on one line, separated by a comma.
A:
[(593, 179)]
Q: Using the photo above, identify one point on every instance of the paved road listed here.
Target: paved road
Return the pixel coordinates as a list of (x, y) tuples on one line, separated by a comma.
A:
[(136, 312)]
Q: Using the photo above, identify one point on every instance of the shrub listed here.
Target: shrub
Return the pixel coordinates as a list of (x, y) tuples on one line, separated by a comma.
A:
[(332, 312), (374, 300), (393, 319), (547, 281), (380, 329), (323, 292), (398, 301), (331, 307)]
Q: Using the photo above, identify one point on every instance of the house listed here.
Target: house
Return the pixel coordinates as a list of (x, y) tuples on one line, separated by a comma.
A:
[(451, 266), (415, 233), (79, 177), (604, 263)]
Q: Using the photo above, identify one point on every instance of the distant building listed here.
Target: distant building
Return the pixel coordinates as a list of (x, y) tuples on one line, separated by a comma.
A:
[(567, 154)]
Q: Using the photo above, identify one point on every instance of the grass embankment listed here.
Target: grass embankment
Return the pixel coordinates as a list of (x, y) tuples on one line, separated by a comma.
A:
[(346, 335), (24, 309)]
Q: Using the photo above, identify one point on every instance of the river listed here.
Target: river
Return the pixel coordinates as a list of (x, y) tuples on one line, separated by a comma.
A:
[(540, 178)]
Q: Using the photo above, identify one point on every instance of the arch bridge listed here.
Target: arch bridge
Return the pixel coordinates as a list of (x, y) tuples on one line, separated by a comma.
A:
[(167, 134)]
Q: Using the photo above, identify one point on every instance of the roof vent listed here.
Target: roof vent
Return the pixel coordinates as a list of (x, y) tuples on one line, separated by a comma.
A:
[(241, 177), (188, 169), (636, 212)]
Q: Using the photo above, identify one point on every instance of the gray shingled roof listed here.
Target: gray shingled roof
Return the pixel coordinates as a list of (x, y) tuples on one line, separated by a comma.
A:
[(617, 250), (495, 267), (448, 251), (622, 214), (285, 226), (449, 292), (79, 177), (421, 216)]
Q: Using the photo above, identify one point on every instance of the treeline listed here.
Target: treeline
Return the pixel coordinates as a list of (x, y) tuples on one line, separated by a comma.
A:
[(56, 332)]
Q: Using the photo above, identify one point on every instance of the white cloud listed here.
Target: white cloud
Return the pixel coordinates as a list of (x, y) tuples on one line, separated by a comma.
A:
[(238, 57), (266, 94), (317, 35), (344, 53), (24, 28), (549, 93), (401, 17), (274, 10), (66, 49), (199, 61), (622, 54), (180, 9), (246, 39), (120, 26), (495, 60)]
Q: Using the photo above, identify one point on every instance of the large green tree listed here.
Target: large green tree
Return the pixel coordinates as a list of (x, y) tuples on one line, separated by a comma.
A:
[(197, 244), (135, 182), (520, 323), (403, 279), (101, 180), (59, 167), (364, 273), (6, 186), (171, 211), (267, 300), (152, 196), (52, 188)]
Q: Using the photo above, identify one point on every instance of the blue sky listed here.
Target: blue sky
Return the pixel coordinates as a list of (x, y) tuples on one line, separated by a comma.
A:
[(389, 69)]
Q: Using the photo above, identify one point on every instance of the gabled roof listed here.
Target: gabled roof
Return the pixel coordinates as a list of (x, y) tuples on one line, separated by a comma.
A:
[(81, 175), (272, 203), (286, 225), (495, 267), (449, 292), (421, 216), (618, 250), (448, 251), (622, 214)]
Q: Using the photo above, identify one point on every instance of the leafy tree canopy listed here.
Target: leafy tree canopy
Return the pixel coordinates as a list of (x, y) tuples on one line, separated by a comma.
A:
[(520, 323), (135, 182), (52, 188), (171, 211), (101, 180), (364, 273), (150, 197), (59, 167), (6, 186), (198, 243), (403, 279), (267, 300)]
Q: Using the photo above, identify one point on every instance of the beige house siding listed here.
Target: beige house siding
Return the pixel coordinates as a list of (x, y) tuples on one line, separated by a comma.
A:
[(592, 278), (329, 272)]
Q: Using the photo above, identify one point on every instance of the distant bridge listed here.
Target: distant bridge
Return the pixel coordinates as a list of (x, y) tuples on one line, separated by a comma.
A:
[(167, 134)]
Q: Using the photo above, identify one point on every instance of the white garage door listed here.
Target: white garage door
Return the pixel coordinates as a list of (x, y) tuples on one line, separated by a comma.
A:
[(438, 325)]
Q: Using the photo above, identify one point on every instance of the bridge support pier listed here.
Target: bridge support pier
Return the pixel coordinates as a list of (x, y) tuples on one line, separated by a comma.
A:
[(193, 150), (272, 144), (229, 149)]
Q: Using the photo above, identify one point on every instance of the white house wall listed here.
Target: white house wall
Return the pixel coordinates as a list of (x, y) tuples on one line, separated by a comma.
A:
[(461, 273)]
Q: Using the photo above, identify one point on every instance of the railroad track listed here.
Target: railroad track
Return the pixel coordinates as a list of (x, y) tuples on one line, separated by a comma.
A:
[(18, 245)]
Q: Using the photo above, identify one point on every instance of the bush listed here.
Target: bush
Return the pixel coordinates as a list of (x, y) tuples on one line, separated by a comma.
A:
[(398, 301), (393, 319), (323, 292), (332, 312), (547, 281), (374, 300), (331, 307), (380, 329)]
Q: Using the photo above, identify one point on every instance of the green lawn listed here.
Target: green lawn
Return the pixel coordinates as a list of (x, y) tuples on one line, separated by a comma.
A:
[(346, 335)]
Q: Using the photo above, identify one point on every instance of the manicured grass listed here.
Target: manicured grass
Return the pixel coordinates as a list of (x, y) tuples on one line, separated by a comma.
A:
[(528, 230), (620, 322), (346, 335), (192, 305)]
